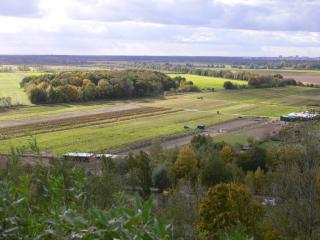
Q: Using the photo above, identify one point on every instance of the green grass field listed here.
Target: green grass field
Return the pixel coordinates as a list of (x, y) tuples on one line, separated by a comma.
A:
[(111, 136), (9, 87), (208, 82), (198, 108)]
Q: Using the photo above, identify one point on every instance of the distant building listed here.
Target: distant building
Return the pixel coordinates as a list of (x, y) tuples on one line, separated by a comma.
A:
[(300, 116), (85, 157), (246, 147), (269, 202)]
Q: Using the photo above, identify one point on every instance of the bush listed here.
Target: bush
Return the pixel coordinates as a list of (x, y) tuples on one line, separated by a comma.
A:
[(252, 159), (5, 101), (160, 178), (228, 85), (215, 171)]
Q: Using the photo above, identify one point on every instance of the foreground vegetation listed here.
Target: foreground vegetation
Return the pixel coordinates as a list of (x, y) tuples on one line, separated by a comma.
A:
[(205, 190), (60, 201)]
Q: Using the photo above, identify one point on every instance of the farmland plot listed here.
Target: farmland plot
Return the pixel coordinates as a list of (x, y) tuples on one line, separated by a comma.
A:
[(41, 127), (9, 87)]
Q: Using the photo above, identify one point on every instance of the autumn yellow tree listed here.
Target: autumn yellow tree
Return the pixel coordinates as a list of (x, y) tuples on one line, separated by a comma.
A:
[(227, 154), (186, 165), (227, 206)]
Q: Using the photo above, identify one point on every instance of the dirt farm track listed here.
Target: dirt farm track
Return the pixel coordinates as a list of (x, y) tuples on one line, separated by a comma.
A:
[(249, 126)]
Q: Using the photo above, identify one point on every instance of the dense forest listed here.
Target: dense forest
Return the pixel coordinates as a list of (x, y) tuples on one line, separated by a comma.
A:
[(205, 190), (88, 86)]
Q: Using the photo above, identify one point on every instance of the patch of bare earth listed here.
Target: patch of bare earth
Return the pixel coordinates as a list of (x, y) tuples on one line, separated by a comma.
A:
[(264, 131)]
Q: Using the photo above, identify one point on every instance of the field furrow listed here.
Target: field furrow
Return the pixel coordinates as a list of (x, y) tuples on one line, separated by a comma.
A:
[(81, 121)]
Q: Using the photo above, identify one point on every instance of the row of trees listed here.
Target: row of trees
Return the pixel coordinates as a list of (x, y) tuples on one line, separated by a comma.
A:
[(237, 75), (263, 82), (254, 80), (276, 80), (88, 86)]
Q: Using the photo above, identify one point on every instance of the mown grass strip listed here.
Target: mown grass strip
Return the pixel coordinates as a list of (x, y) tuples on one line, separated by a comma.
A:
[(78, 122)]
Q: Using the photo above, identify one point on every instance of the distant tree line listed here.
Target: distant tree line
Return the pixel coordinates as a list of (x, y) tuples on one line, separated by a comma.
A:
[(263, 82), (285, 64), (89, 86), (254, 80), (249, 64)]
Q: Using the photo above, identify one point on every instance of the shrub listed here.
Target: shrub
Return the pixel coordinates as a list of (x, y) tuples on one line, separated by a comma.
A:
[(228, 85), (160, 178), (215, 171), (5, 101)]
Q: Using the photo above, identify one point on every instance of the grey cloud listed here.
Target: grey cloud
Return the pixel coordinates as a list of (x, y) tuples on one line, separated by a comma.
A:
[(167, 27), (87, 37), (282, 15)]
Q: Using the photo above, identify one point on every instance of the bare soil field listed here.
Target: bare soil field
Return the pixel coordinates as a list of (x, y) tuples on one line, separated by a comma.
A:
[(265, 130)]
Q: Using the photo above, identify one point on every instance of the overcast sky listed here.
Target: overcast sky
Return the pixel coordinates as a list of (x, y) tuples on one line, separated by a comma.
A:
[(161, 27)]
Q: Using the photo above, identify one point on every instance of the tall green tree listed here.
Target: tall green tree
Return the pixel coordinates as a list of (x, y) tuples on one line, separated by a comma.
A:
[(140, 167)]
